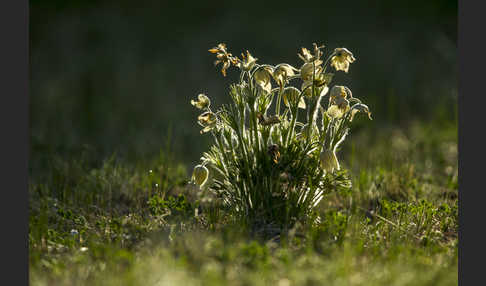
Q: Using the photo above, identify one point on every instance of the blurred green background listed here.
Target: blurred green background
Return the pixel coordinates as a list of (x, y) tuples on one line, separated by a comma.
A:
[(118, 76)]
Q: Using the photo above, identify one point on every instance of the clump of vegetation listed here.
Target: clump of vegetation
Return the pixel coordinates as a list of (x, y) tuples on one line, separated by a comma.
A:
[(272, 163)]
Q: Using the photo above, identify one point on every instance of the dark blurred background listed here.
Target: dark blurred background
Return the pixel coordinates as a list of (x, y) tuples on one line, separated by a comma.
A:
[(118, 76)]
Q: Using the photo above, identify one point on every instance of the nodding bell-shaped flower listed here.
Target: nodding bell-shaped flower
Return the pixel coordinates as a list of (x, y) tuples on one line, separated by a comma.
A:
[(263, 78), (291, 94), (282, 72), (340, 91), (341, 59), (248, 61), (329, 161), (200, 175), (202, 101), (334, 112), (360, 108), (207, 120), (307, 69), (338, 97)]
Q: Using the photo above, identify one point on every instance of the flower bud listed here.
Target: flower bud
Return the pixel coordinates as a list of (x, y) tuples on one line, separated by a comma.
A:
[(200, 175)]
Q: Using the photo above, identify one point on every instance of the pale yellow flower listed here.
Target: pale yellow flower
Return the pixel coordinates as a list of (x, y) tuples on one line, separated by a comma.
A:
[(200, 175), (282, 72), (263, 78), (248, 61), (207, 120), (290, 94), (339, 95), (329, 161), (341, 59), (307, 69), (334, 112), (338, 91), (202, 101)]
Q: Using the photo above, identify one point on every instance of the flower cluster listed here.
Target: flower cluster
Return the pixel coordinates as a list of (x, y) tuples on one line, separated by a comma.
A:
[(272, 165)]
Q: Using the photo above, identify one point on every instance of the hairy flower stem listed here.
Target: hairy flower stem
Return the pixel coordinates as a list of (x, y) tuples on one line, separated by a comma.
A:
[(295, 113), (327, 61), (338, 132), (253, 118), (256, 140), (310, 114), (315, 109), (279, 98)]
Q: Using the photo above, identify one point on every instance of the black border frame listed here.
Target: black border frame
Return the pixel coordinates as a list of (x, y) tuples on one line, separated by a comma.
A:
[(14, 23)]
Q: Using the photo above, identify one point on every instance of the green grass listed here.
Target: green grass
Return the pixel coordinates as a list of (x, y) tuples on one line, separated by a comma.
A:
[(118, 223)]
